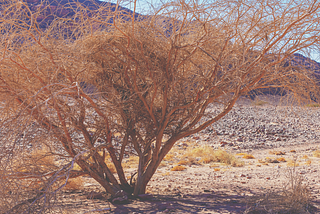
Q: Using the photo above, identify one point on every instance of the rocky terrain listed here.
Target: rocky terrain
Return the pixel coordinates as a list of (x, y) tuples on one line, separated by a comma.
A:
[(282, 141)]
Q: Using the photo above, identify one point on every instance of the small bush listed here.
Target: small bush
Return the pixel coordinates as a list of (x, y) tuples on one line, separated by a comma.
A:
[(178, 168), (292, 163), (208, 155), (308, 162), (271, 160), (169, 157), (294, 198), (74, 184), (205, 160), (296, 194), (183, 162), (248, 156), (216, 169), (277, 153), (293, 151), (281, 159), (316, 153)]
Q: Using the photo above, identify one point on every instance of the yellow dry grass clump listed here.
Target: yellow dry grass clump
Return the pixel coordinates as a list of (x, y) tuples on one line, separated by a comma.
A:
[(207, 155), (169, 157), (246, 156), (316, 154), (282, 159), (74, 183), (292, 163), (178, 168), (308, 162), (277, 153)]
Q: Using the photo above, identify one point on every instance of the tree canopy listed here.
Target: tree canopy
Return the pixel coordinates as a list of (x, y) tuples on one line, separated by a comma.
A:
[(153, 79)]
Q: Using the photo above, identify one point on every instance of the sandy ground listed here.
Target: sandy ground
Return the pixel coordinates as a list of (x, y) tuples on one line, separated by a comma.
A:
[(202, 189)]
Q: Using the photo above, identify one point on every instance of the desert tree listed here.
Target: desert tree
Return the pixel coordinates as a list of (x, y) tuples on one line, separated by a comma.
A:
[(97, 86)]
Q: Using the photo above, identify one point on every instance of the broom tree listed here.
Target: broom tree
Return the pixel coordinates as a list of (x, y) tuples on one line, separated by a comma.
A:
[(101, 85)]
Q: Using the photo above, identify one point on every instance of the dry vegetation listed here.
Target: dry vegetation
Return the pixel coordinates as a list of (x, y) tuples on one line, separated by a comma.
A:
[(198, 155), (294, 198), (151, 79)]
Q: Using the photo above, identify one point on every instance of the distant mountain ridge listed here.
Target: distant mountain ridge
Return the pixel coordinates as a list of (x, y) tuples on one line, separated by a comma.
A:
[(48, 10)]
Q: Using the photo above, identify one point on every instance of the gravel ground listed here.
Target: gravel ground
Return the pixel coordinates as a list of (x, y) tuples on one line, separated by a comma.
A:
[(249, 127)]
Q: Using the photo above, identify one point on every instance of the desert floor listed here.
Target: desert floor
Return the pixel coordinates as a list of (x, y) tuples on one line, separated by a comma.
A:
[(280, 175)]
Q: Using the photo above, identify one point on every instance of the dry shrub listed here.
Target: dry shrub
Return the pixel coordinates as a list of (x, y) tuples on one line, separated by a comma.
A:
[(308, 162), (271, 160), (205, 160), (74, 184), (169, 157), (207, 155), (178, 168), (292, 163), (296, 194), (294, 198), (316, 153), (216, 169), (305, 157), (183, 162), (248, 156), (293, 151), (277, 153), (282, 159)]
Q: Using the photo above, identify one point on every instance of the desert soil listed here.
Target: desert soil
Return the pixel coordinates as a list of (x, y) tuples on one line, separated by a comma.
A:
[(258, 128)]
